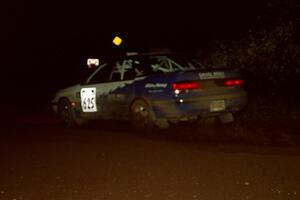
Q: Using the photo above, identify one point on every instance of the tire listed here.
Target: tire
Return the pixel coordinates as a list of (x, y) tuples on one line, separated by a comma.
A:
[(66, 113), (141, 116)]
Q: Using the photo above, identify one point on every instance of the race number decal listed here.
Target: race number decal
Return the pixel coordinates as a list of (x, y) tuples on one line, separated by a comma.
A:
[(88, 99)]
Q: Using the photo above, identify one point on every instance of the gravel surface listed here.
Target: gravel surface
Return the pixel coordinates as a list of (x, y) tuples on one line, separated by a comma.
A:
[(40, 160)]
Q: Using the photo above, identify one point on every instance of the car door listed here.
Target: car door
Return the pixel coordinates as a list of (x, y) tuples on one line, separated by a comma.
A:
[(121, 88), (93, 93)]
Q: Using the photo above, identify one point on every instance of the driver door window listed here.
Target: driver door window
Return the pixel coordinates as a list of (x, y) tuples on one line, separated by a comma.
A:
[(123, 70), (102, 75)]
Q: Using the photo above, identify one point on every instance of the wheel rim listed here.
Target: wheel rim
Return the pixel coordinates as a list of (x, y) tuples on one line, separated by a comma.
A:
[(141, 116)]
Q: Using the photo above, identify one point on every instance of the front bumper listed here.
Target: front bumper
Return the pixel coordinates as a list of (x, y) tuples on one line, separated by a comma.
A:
[(54, 106)]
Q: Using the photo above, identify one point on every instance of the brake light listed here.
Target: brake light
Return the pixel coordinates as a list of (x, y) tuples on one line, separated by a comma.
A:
[(190, 85), (234, 82)]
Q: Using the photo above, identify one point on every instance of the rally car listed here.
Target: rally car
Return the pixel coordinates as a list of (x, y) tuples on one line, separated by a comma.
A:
[(152, 90)]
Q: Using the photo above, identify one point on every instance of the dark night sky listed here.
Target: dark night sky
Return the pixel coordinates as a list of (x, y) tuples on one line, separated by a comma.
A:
[(62, 25), (46, 41), (50, 24), (47, 25)]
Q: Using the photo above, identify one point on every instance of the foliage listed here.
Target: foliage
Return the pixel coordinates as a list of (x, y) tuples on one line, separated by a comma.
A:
[(271, 55)]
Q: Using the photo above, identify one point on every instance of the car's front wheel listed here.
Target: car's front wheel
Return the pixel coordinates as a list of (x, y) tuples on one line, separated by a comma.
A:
[(65, 112)]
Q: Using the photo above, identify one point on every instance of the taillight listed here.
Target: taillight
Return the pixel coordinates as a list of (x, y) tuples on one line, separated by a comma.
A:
[(188, 85), (234, 82)]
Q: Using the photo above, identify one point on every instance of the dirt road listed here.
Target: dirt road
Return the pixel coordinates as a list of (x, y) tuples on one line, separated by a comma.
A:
[(40, 160)]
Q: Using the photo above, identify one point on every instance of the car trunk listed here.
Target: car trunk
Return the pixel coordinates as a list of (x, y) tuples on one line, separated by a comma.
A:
[(212, 91)]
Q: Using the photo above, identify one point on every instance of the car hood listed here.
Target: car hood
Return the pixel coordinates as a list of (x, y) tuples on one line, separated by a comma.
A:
[(68, 92)]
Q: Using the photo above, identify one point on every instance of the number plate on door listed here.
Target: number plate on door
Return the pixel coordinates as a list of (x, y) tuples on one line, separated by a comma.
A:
[(88, 99)]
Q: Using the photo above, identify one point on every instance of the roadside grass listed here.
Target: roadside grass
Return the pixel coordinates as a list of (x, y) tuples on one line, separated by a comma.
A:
[(269, 119), (273, 119)]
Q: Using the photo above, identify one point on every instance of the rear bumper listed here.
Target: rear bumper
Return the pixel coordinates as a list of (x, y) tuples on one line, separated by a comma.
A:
[(174, 109)]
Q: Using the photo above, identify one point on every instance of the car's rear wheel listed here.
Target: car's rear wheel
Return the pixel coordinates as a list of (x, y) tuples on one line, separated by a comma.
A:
[(66, 112), (141, 116)]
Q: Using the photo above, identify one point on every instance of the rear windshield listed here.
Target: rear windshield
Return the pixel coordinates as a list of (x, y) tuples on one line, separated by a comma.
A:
[(187, 64)]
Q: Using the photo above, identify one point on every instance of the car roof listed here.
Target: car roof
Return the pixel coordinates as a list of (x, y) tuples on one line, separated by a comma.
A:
[(134, 54), (152, 52), (160, 53)]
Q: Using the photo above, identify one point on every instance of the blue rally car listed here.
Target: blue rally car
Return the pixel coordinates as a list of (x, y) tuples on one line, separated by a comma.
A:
[(152, 90)]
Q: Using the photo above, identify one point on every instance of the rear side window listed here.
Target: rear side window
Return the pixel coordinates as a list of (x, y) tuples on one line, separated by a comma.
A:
[(163, 64), (153, 65), (149, 66), (128, 69)]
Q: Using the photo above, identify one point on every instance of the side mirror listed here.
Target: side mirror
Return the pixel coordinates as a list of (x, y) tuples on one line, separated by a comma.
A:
[(92, 62)]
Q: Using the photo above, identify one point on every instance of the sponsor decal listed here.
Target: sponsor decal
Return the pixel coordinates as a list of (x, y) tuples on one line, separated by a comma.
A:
[(107, 88), (156, 85), (155, 91)]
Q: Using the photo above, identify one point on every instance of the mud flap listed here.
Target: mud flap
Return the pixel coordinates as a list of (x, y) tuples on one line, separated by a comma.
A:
[(226, 118), (161, 123)]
